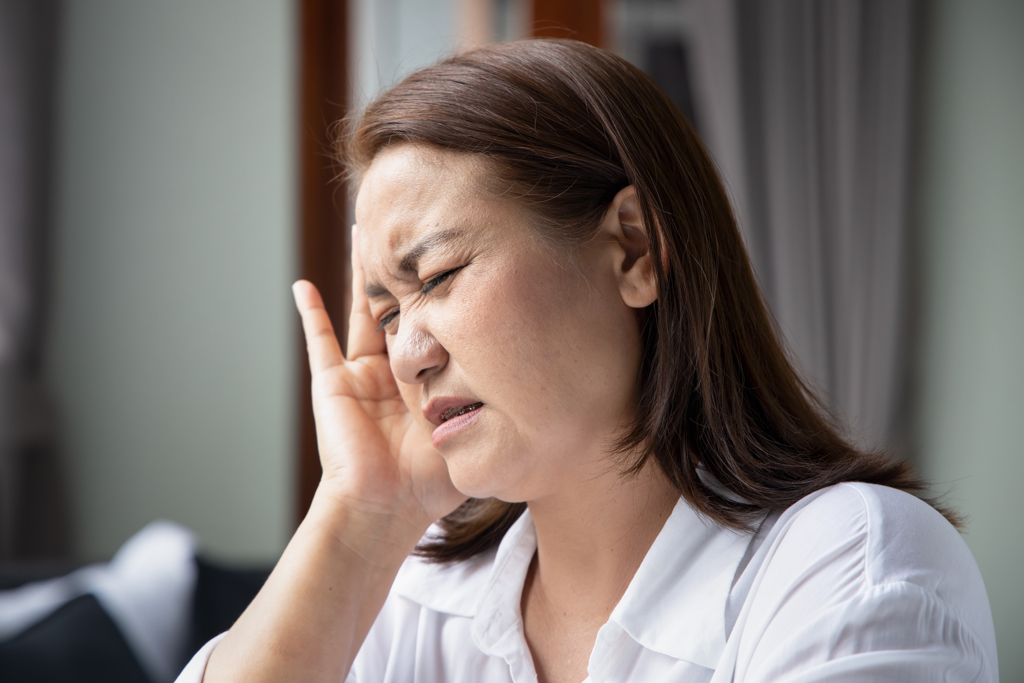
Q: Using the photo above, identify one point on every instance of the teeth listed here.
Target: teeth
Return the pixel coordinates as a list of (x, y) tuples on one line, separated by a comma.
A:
[(455, 411)]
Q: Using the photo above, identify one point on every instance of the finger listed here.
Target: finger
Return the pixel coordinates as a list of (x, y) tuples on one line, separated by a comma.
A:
[(363, 337), (321, 343)]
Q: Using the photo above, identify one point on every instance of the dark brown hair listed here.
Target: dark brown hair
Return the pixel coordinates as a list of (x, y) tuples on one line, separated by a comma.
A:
[(565, 127)]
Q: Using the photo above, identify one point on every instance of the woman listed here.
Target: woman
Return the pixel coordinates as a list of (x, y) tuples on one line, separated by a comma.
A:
[(559, 354)]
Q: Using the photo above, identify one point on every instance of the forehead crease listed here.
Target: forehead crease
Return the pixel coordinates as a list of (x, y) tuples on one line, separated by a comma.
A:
[(404, 214), (407, 200)]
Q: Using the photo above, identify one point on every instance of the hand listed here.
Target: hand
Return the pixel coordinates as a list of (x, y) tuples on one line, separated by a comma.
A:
[(376, 457)]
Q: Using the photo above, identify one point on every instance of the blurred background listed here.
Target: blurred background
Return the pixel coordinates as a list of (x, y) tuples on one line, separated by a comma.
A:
[(165, 175)]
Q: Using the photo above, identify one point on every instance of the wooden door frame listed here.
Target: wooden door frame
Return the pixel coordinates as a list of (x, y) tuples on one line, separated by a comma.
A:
[(324, 235), (578, 19)]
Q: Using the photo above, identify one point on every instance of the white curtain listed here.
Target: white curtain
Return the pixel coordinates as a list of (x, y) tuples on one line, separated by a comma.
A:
[(806, 107)]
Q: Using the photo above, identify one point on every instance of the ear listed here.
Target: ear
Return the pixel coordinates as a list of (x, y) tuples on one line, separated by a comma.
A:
[(623, 225)]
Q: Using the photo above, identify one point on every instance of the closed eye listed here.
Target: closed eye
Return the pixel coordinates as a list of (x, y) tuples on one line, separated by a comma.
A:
[(427, 288), (386, 320), (438, 280)]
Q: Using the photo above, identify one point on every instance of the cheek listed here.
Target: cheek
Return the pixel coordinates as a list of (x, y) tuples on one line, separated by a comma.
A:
[(507, 325), (554, 351)]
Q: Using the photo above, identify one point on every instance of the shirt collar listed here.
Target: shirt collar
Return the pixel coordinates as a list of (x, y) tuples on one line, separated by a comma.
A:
[(454, 588), (675, 604), (497, 626), (486, 588)]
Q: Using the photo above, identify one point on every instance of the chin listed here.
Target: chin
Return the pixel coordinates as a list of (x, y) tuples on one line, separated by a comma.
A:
[(480, 487), (478, 480)]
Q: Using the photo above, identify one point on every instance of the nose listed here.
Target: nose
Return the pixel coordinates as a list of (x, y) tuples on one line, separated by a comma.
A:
[(415, 354)]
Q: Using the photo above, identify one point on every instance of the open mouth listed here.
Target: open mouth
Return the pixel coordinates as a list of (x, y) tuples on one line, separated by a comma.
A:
[(455, 411)]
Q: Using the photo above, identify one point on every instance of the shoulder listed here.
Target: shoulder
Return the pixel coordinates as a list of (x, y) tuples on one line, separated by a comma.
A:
[(858, 568), (892, 535)]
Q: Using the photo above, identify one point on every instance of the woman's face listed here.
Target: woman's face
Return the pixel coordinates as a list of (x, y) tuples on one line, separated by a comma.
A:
[(520, 361)]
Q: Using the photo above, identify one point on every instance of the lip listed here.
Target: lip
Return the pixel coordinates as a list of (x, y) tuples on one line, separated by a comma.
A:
[(444, 430), (435, 409), (449, 428)]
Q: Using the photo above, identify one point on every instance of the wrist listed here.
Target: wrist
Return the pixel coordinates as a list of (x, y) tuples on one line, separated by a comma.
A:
[(379, 537)]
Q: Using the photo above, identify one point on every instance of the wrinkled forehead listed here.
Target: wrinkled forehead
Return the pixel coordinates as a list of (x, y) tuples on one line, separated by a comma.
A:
[(411, 191)]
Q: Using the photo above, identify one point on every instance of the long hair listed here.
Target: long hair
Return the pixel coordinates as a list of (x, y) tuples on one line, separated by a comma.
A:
[(565, 126)]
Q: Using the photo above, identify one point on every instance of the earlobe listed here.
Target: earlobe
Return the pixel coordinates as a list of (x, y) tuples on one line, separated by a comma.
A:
[(638, 282)]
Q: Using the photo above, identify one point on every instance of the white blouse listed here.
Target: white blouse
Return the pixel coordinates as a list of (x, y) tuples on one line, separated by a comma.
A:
[(853, 583)]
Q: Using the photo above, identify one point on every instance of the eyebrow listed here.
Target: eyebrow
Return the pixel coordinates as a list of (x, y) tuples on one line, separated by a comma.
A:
[(409, 262), (375, 291)]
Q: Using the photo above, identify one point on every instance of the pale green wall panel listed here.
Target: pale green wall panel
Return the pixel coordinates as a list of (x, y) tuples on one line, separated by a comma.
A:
[(970, 420), (171, 359)]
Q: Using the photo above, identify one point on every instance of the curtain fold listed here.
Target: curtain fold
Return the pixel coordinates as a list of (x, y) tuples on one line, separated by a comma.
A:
[(813, 102)]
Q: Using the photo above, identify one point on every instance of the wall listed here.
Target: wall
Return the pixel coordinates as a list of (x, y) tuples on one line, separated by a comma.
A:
[(971, 354), (172, 351)]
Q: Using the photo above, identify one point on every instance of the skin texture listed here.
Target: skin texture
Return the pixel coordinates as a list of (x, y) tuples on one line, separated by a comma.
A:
[(488, 312)]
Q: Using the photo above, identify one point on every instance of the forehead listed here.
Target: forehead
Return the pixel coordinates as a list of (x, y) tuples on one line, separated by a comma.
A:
[(411, 190)]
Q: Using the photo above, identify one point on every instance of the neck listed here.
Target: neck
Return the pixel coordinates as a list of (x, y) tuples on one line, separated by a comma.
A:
[(591, 540)]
